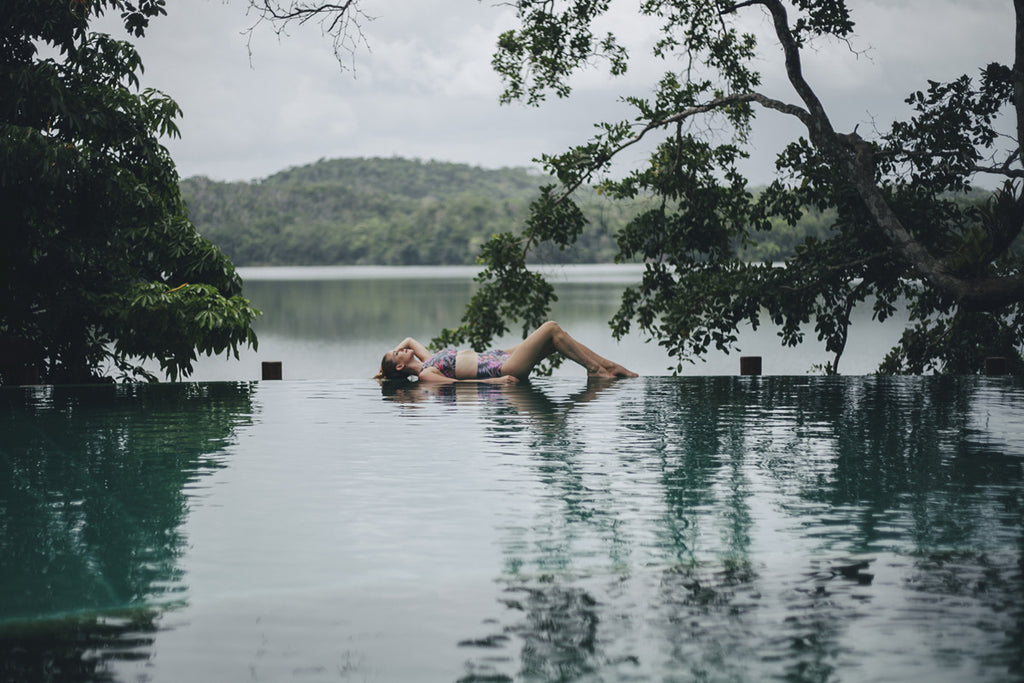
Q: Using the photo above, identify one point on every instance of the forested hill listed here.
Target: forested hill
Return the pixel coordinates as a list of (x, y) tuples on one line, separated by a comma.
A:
[(402, 212), (377, 211)]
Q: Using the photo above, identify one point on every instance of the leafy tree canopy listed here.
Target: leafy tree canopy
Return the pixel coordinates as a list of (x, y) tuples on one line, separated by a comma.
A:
[(900, 235), (100, 268)]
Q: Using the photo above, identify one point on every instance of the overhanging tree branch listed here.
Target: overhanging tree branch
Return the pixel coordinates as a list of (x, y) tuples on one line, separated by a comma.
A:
[(1001, 170), (857, 155)]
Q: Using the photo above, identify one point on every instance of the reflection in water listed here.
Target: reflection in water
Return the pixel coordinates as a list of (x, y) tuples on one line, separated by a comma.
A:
[(94, 484), (354, 310), (806, 529), (75, 648), (803, 527)]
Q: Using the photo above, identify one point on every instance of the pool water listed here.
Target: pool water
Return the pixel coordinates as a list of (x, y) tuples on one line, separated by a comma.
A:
[(669, 529)]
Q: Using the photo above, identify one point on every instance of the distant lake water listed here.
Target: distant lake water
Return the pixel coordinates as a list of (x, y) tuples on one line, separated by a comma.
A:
[(336, 322)]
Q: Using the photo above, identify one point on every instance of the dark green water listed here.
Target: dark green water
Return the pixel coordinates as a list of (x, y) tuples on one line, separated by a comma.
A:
[(666, 529)]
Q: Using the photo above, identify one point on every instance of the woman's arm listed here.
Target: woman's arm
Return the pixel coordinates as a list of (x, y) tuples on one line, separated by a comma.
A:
[(433, 375), (417, 348), (504, 379)]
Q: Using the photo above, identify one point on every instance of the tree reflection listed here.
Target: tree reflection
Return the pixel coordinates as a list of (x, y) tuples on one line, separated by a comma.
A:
[(642, 556), (75, 648), (93, 493), (353, 309)]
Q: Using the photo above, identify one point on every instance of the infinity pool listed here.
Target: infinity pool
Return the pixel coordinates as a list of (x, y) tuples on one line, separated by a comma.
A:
[(658, 529)]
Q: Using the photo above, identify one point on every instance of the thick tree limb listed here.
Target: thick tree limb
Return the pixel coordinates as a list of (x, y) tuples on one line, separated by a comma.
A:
[(1017, 73), (1001, 170), (857, 155)]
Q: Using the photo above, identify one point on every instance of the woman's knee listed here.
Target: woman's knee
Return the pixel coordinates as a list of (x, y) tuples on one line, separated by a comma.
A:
[(551, 328)]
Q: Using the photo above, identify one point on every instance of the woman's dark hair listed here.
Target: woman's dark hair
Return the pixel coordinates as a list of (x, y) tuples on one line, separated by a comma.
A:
[(389, 369)]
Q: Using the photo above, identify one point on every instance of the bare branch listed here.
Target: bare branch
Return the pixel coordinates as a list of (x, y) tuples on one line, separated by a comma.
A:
[(343, 21)]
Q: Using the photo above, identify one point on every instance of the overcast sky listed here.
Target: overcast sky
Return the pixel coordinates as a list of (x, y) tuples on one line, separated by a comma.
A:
[(423, 88)]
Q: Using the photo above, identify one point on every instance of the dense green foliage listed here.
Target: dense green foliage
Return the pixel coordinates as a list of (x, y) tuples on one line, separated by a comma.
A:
[(100, 267), (407, 212), (380, 212), (899, 232)]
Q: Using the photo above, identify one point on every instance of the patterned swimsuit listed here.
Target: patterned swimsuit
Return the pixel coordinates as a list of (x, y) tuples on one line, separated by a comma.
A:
[(444, 361), (488, 363)]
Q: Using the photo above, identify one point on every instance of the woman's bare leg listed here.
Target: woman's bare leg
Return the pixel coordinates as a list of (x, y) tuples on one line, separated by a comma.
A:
[(549, 338)]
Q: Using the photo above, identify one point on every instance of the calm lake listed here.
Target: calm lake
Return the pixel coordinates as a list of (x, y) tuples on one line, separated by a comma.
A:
[(656, 529), (328, 528), (337, 322)]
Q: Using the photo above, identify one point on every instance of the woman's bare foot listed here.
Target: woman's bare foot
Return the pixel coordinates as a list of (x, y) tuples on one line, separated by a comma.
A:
[(611, 371), (617, 370)]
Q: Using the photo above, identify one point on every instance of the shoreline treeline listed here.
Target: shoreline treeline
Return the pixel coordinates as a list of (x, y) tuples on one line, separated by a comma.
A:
[(406, 212)]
